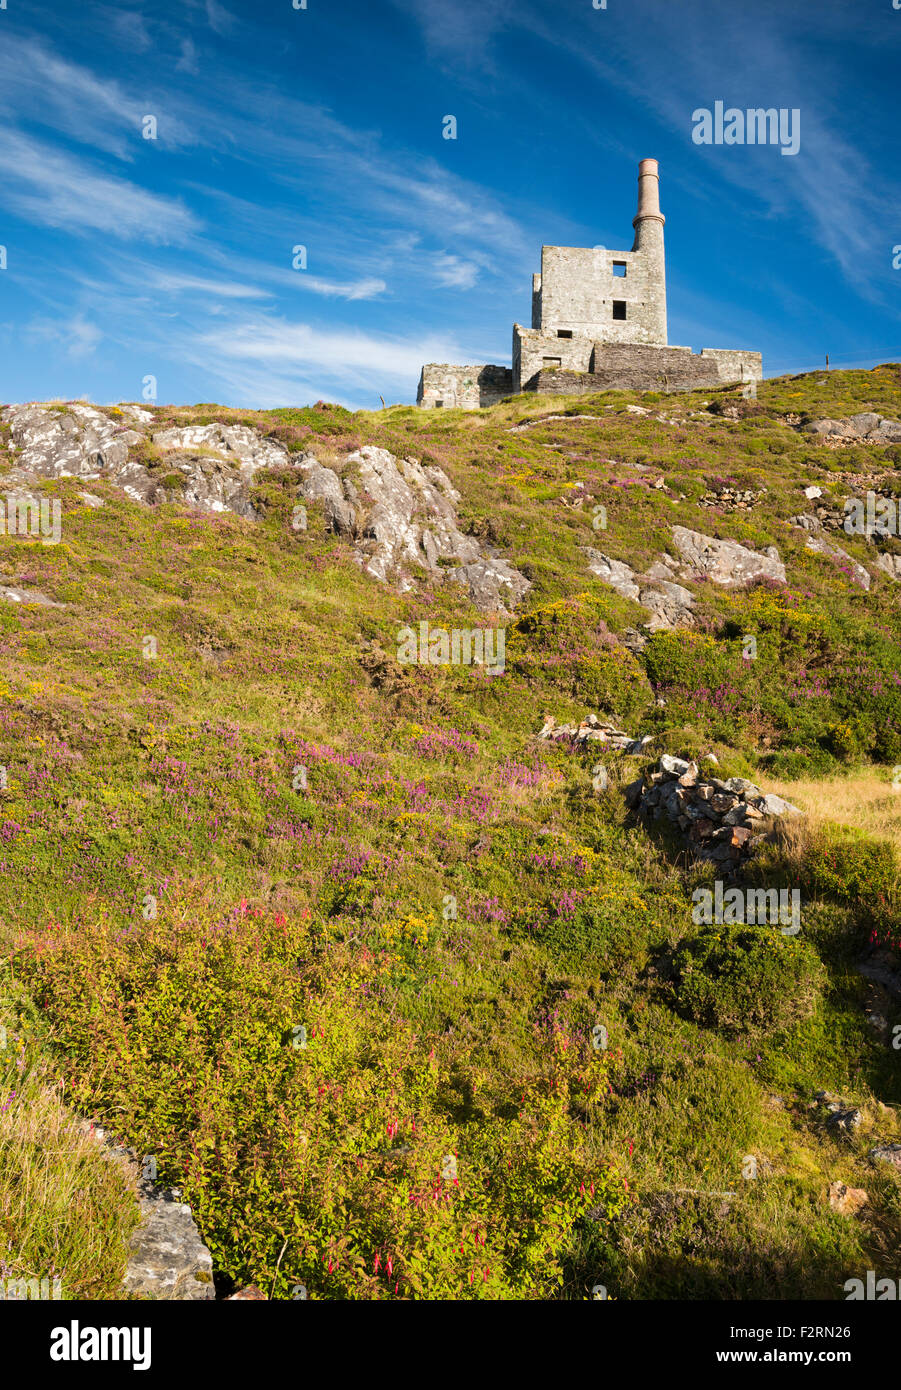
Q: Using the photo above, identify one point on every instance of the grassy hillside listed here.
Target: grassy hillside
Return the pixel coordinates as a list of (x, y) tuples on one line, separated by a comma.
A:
[(448, 907)]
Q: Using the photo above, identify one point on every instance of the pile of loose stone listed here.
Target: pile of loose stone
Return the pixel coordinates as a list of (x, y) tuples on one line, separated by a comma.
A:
[(724, 820), (591, 730), (732, 499)]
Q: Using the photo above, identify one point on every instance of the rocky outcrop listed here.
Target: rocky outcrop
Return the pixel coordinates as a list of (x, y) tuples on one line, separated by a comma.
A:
[(868, 428), (71, 441), (209, 467), (616, 573), (668, 603), (890, 564), (400, 518), (887, 1153), (723, 821), (398, 515), (318, 484), (236, 444), (816, 542), (725, 562), (167, 1258), (217, 463), (14, 594), (842, 559)]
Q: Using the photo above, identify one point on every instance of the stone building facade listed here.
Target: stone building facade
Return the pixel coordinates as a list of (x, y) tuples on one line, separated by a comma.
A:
[(463, 388), (598, 323)]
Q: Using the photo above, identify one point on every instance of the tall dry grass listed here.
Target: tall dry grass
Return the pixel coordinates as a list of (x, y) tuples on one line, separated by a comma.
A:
[(66, 1211), (864, 800)]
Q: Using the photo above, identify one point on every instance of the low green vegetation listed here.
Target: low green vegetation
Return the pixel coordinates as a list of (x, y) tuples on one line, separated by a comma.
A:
[(523, 1069)]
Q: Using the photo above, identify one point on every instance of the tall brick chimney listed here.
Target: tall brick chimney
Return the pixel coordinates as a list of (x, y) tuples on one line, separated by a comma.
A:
[(648, 223)]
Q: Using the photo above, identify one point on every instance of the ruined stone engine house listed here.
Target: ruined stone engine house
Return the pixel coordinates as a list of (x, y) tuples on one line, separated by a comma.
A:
[(598, 322)]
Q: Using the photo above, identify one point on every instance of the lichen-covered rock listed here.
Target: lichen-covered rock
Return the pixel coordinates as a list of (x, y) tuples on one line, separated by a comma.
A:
[(845, 561), (405, 520), (668, 603), (211, 467), (318, 484), (71, 441), (236, 443), (399, 516), (867, 427), (616, 573), (725, 562), (670, 606), (14, 594), (494, 586), (890, 564), (168, 1259), (887, 1153)]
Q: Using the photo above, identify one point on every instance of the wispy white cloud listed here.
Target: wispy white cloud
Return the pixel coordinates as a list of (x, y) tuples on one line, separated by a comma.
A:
[(188, 60), (353, 289), (37, 84), (55, 189), (75, 335), (171, 282), (221, 20), (452, 272), (461, 29), (288, 361), (129, 29)]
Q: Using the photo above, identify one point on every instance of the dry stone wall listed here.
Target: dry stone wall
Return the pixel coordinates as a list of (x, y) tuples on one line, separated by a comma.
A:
[(723, 821)]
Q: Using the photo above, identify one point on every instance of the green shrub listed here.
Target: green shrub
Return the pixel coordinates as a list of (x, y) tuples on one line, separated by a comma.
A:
[(599, 938), (793, 764), (849, 866), (326, 1163), (568, 646), (844, 742), (737, 977)]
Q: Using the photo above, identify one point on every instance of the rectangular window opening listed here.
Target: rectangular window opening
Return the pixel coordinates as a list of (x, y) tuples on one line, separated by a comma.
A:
[(564, 332), (439, 404), (619, 268), (550, 361), (619, 308)]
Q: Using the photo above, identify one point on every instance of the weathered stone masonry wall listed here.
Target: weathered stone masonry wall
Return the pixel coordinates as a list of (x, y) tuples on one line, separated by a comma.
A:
[(638, 368), (578, 288), (463, 388)]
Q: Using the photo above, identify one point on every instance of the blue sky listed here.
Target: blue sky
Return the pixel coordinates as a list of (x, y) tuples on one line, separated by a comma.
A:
[(276, 127)]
